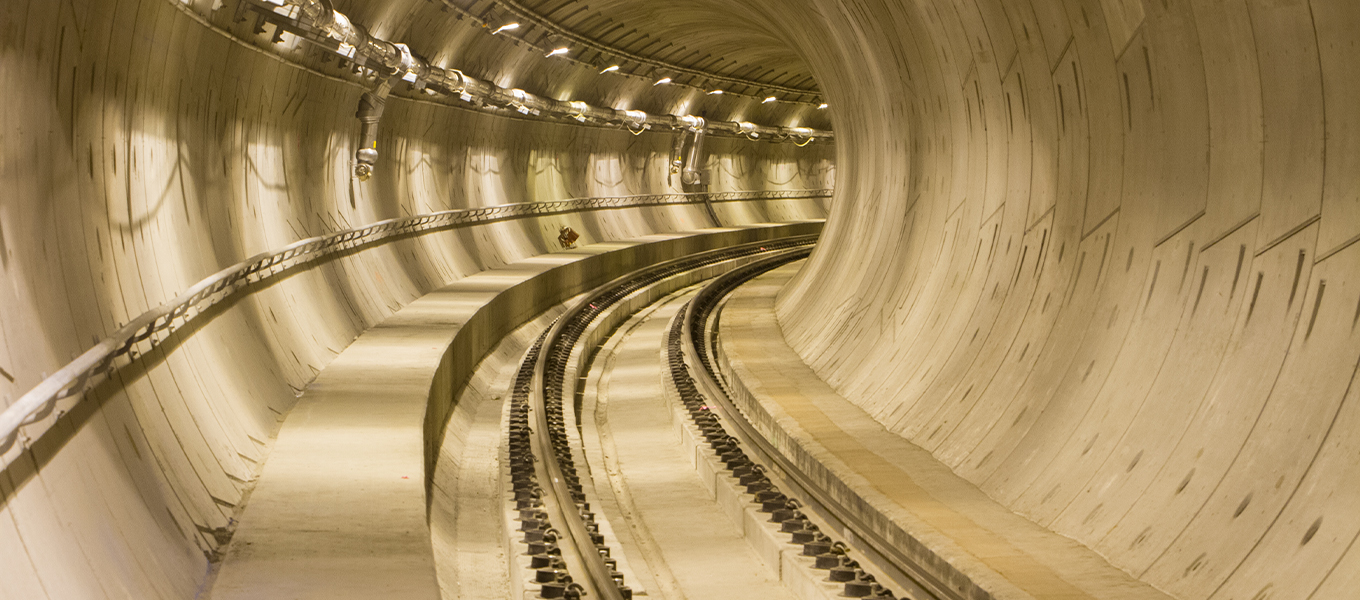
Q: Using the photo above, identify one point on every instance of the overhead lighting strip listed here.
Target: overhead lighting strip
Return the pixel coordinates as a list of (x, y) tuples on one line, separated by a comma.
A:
[(315, 22), (525, 14)]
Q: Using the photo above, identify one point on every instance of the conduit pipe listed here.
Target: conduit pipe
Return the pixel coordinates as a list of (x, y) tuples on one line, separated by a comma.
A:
[(693, 173), (318, 23), (370, 113)]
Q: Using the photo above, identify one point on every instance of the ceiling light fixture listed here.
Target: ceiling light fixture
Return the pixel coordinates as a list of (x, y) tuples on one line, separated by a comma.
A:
[(769, 100), (506, 27), (715, 93), (662, 81), (821, 106), (610, 69), (557, 52)]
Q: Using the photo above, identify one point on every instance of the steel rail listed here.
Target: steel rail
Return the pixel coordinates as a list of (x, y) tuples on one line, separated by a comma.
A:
[(576, 543), (698, 334), (558, 478), (28, 416)]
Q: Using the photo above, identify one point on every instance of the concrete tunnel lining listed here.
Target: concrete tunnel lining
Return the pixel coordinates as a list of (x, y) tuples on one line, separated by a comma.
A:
[(1096, 256), (1111, 254)]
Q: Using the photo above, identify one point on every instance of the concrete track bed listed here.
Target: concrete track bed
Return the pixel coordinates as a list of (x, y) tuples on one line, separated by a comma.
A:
[(701, 539)]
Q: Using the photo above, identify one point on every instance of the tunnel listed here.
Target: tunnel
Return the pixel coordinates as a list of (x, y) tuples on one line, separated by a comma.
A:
[(975, 299)]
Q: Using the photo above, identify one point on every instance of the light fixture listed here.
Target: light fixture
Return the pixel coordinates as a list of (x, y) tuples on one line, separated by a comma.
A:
[(610, 69), (506, 27), (769, 100), (715, 93), (662, 81), (558, 52), (579, 109), (821, 106)]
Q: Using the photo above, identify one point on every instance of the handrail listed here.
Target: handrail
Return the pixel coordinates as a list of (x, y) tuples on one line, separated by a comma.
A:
[(148, 330)]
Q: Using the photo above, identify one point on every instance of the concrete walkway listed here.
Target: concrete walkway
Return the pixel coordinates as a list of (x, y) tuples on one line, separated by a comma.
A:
[(996, 549), (340, 508), (702, 549)]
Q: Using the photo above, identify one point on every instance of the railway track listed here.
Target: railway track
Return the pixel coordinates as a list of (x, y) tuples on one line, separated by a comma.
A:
[(869, 565), (569, 555)]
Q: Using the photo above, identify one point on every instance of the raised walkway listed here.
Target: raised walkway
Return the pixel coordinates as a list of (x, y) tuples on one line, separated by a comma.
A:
[(978, 545), (340, 509)]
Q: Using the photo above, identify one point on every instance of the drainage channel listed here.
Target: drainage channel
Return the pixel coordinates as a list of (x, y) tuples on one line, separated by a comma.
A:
[(791, 498), (568, 553)]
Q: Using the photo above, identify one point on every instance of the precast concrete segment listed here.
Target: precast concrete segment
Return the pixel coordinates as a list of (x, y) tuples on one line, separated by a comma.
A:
[(1080, 253), (1000, 552), (340, 510), (706, 553)]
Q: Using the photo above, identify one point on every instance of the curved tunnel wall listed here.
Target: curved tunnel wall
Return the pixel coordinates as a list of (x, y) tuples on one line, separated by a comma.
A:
[(143, 151), (1098, 257), (1078, 251)]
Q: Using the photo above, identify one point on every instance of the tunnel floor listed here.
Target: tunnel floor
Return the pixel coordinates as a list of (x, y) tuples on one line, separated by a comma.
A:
[(701, 551)]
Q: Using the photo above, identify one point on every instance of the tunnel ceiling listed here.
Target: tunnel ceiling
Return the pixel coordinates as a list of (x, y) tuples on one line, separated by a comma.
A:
[(707, 46), (691, 44), (700, 46)]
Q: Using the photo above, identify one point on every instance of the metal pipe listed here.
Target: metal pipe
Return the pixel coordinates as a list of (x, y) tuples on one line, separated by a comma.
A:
[(678, 153), (370, 112), (317, 21), (693, 174), (371, 106)]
